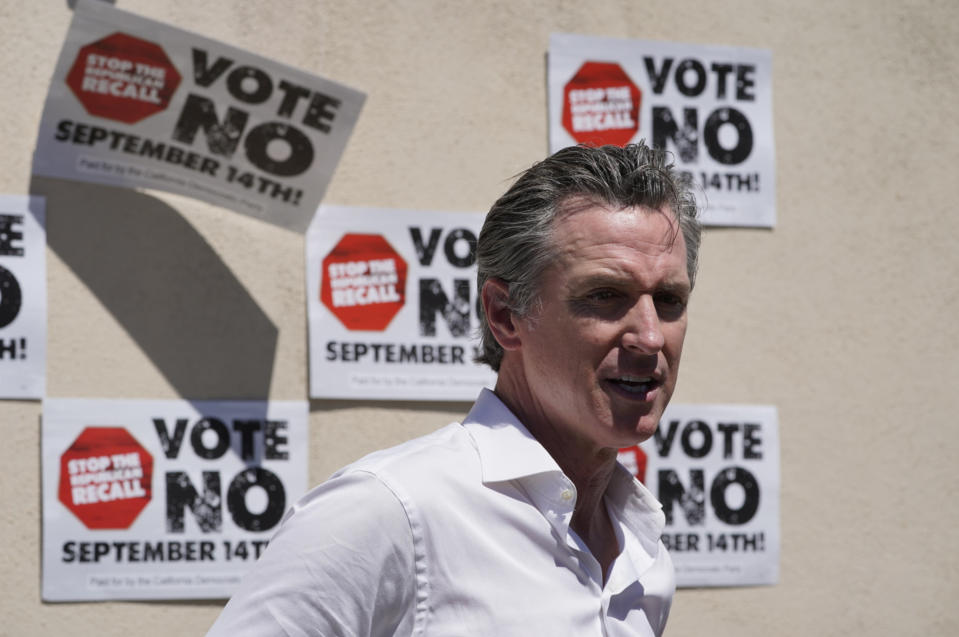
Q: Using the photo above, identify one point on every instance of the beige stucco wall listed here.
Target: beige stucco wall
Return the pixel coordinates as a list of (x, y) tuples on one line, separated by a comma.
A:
[(843, 316)]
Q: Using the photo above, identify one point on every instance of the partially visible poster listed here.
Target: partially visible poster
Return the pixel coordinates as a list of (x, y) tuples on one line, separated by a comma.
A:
[(710, 106), (715, 469), (159, 499), (138, 103), (23, 297), (391, 298)]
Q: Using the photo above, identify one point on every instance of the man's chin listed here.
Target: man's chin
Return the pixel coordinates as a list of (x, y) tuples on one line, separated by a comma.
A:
[(640, 426), (635, 432)]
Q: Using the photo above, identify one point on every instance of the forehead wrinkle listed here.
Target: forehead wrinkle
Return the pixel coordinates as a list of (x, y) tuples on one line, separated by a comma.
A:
[(622, 240), (612, 258), (578, 204), (620, 267)]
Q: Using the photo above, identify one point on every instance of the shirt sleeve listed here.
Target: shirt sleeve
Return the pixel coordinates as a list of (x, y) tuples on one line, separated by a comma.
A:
[(341, 563)]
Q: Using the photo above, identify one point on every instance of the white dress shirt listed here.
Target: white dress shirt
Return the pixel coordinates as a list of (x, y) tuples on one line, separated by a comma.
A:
[(461, 532)]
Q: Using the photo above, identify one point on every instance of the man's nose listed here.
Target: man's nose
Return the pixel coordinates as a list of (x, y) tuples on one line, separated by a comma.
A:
[(642, 332)]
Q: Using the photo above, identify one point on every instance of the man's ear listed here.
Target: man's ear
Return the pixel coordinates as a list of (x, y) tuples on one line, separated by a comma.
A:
[(495, 296)]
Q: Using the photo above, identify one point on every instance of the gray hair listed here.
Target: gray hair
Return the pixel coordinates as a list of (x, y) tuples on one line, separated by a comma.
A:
[(515, 242)]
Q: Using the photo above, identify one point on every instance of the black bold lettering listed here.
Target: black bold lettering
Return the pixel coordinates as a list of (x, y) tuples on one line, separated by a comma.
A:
[(685, 138), (449, 247), (274, 442), (152, 149), (9, 233), (658, 78), (275, 494), (692, 501), (297, 161), (408, 353), (691, 428), (319, 114), (664, 444), (425, 252), (722, 72), (249, 84), (63, 130), (171, 446), (744, 141), (222, 438), (206, 507), (745, 82), (11, 297), (291, 95), (8, 346), (200, 112), (727, 429), (455, 313), (204, 75), (153, 552), (752, 443), (717, 495), (99, 134), (247, 428), (684, 70)]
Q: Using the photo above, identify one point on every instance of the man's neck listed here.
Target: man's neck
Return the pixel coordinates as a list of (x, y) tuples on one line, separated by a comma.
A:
[(588, 467)]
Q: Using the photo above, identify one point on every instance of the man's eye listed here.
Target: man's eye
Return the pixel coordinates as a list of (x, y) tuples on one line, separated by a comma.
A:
[(599, 296), (671, 302), (602, 301)]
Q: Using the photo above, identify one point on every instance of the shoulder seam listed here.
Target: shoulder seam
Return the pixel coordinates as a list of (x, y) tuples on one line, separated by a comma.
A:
[(420, 563)]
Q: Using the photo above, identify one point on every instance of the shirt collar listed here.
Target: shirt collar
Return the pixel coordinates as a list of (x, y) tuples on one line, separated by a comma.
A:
[(636, 507), (507, 450)]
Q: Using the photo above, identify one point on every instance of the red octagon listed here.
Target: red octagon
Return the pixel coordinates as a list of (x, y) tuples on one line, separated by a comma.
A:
[(601, 105), (634, 456), (123, 78), (106, 478), (364, 282)]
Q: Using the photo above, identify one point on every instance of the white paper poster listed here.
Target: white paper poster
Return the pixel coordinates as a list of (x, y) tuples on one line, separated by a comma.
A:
[(23, 297), (715, 469), (392, 304), (138, 103), (710, 106), (161, 499)]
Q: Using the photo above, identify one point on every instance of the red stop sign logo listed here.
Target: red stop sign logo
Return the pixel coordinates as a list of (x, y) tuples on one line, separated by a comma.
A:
[(601, 105), (123, 78), (106, 478), (364, 282), (634, 459)]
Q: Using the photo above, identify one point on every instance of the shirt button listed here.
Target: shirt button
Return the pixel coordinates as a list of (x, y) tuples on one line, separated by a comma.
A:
[(566, 495)]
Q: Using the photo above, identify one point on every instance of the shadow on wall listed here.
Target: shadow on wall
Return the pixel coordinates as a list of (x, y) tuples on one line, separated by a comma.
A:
[(165, 285)]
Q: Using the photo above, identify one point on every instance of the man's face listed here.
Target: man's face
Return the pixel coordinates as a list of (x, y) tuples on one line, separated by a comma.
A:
[(601, 353)]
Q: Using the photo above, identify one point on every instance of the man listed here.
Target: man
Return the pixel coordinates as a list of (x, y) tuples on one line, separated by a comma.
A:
[(519, 521)]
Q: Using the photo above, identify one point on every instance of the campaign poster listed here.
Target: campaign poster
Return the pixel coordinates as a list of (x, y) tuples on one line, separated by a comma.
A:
[(138, 103), (23, 297), (709, 106), (392, 305), (164, 499), (715, 469)]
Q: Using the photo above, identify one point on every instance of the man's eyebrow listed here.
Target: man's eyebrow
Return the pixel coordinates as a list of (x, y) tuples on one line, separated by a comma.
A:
[(676, 287), (597, 280)]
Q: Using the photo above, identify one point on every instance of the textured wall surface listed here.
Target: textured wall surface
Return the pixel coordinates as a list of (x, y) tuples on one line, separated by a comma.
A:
[(842, 316)]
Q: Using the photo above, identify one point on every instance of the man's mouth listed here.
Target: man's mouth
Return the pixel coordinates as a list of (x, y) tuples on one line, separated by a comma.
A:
[(638, 385)]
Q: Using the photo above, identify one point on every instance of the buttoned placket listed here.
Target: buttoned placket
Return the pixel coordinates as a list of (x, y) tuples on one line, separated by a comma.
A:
[(581, 558), (621, 574)]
